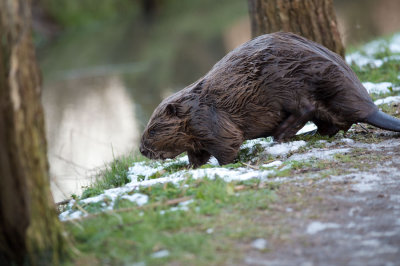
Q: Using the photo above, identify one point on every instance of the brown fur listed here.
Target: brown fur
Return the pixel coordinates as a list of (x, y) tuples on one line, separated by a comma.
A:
[(269, 86)]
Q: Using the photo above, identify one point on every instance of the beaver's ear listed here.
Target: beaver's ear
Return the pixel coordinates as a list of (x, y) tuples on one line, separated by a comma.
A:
[(172, 109)]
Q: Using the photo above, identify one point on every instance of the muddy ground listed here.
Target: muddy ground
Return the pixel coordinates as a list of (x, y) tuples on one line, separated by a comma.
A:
[(350, 217)]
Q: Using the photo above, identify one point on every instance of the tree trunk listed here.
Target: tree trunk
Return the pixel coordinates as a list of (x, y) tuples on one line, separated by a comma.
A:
[(313, 19), (30, 232)]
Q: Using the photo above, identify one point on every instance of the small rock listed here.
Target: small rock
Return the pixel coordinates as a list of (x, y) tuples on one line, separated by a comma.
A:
[(160, 254), (210, 231), (259, 243)]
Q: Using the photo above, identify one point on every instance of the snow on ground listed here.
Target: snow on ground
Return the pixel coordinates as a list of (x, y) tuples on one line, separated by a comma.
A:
[(282, 149), (145, 173), (380, 88), (366, 55), (316, 227), (321, 154), (394, 45), (307, 128), (390, 99), (141, 174)]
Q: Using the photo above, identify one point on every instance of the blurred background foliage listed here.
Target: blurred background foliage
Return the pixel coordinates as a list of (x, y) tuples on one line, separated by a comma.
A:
[(77, 13)]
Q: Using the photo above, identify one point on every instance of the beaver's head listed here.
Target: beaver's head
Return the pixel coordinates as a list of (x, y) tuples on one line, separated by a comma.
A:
[(165, 136)]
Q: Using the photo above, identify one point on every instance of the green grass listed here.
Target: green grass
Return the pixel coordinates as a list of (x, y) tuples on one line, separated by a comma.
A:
[(115, 174), (388, 72), (134, 236)]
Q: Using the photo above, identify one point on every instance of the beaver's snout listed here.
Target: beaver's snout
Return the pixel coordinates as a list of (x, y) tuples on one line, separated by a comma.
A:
[(144, 151)]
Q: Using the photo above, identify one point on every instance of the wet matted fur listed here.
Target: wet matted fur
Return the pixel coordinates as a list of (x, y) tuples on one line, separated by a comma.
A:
[(269, 86)]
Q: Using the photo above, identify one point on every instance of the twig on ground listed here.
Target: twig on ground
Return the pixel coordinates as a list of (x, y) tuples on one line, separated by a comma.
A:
[(81, 209), (250, 166)]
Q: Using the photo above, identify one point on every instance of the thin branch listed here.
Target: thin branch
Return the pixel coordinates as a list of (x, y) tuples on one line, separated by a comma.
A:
[(250, 166), (63, 202)]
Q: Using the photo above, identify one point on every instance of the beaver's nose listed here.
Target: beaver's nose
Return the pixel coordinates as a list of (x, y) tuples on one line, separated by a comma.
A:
[(143, 150)]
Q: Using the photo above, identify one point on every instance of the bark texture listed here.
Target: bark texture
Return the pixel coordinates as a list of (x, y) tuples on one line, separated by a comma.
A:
[(30, 232), (313, 19)]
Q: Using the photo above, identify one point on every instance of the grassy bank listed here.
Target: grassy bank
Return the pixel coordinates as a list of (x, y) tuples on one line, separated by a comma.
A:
[(164, 213)]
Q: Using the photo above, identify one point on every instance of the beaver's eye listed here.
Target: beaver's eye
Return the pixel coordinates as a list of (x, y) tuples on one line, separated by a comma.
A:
[(152, 132)]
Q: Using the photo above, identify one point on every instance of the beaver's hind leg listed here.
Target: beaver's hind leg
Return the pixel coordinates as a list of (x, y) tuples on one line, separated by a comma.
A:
[(325, 128), (293, 123)]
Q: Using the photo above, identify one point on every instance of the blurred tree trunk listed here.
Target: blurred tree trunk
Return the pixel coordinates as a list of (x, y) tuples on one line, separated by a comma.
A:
[(313, 19), (30, 232), (149, 8)]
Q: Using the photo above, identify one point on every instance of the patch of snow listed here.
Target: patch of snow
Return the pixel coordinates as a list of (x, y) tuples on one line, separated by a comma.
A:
[(375, 46), (213, 161), (140, 199), (363, 187), (183, 159), (186, 203), (316, 227), (319, 154), (398, 222), (366, 55), (387, 100), (364, 181), (160, 254), (252, 142), (259, 243), (377, 146), (182, 206), (351, 225), (395, 198), (273, 148), (381, 87), (381, 250), (141, 169), (348, 141), (307, 128), (69, 215), (111, 195), (371, 243), (383, 234), (394, 45), (273, 164), (282, 149), (93, 199), (362, 60), (228, 175), (392, 58)]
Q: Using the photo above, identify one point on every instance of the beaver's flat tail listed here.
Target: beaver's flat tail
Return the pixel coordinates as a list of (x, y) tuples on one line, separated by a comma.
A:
[(384, 121)]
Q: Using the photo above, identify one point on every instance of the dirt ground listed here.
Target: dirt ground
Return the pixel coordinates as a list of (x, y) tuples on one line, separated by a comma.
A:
[(349, 218)]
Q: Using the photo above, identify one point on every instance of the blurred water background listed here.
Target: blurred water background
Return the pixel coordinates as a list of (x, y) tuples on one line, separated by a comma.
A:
[(108, 63)]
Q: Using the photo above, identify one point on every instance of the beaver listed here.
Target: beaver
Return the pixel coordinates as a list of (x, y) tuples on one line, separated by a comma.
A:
[(269, 86)]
